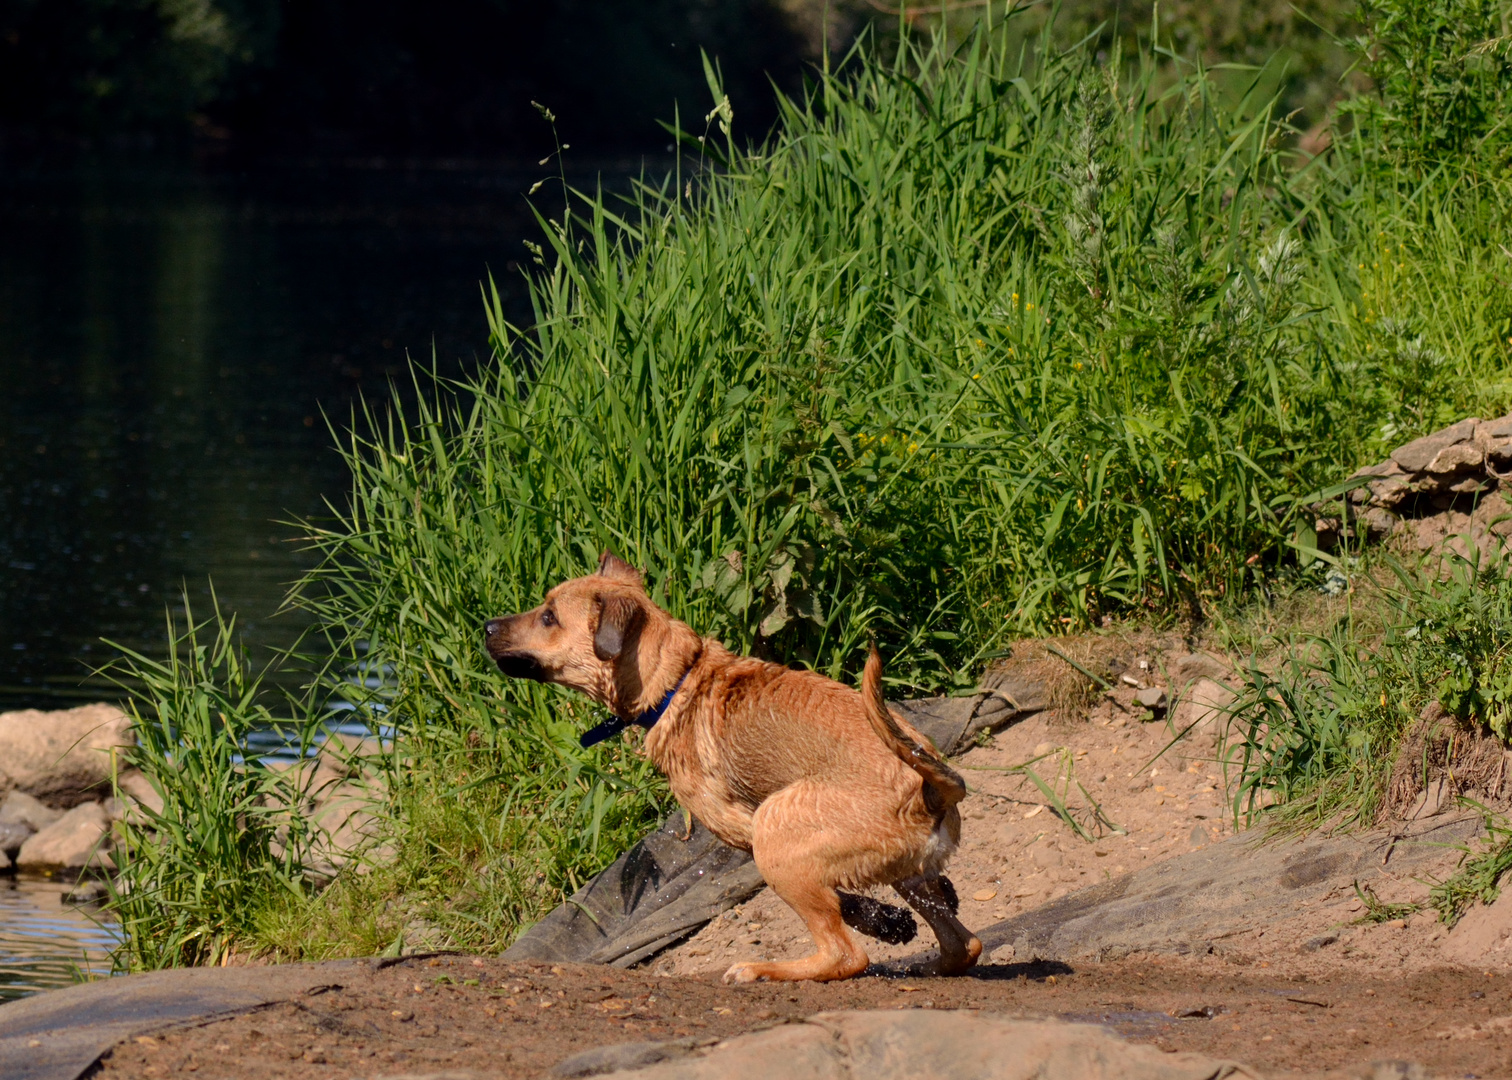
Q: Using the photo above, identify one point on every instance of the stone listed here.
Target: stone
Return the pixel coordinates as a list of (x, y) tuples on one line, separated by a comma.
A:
[(1387, 474), (1151, 697), (943, 1044), (1379, 523), (63, 757), (73, 842), (135, 787), (1202, 711), (19, 808), (344, 822), (1202, 901), (608, 1059), (1489, 433), (1460, 458), (1416, 455), (1195, 666), (12, 836)]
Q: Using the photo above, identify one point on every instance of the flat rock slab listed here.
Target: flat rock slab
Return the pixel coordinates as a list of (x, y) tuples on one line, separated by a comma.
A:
[(60, 1034), (908, 1044), (1190, 904)]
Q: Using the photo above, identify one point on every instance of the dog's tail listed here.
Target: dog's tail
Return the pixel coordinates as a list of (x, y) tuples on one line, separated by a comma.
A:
[(943, 786)]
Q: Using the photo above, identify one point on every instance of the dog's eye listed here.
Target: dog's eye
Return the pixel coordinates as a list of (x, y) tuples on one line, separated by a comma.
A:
[(548, 618)]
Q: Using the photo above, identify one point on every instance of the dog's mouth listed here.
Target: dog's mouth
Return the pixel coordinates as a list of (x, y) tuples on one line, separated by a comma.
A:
[(520, 665)]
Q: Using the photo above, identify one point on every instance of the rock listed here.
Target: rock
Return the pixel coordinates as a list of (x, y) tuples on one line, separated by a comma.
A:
[(1416, 455), (61, 757), (1379, 523), (1203, 711), (608, 1059), (74, 841), (1151, 697), (22, 809), (1200, 902), (1200, 665), (1482, 938), (12, 836), (946, 1045), (1460, 458), (135, 786)]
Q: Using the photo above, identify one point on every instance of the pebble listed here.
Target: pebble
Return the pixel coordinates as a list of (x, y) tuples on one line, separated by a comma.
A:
[(984, 895)]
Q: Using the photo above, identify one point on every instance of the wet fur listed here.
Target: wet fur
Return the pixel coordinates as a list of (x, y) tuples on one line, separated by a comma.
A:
[(826, 787)]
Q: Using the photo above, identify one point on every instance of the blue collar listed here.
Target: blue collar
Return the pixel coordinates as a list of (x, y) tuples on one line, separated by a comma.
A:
[(614, 725)]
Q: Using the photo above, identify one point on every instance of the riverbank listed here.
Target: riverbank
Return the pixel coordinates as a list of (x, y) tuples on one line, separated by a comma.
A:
[(473, 1017)]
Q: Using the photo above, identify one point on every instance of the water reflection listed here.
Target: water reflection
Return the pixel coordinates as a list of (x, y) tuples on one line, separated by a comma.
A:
[(168, 341), (45, 943)]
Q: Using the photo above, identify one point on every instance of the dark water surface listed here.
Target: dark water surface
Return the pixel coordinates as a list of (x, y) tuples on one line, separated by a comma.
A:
[(169, 337)]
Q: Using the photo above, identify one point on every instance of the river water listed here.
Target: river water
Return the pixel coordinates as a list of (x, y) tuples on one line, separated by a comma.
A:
[(171, 338)]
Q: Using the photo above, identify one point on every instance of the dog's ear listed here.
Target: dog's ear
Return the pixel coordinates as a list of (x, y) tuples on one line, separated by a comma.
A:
[(616, 569), (620, 620)]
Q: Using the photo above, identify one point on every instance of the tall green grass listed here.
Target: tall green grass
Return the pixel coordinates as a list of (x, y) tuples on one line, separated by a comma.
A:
[(980, 342), (230, 836)]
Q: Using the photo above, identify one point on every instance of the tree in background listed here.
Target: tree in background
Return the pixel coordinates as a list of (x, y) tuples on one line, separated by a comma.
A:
[(385, 75), (99, 67)]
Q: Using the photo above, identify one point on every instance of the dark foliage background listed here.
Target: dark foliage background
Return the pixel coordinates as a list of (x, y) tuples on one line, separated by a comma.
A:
[(390, 76)]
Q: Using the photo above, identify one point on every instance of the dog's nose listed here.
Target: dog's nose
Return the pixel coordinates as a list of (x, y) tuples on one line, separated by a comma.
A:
[(492, 626)]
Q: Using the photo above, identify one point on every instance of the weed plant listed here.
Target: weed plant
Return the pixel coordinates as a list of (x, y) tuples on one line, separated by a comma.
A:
[(1319, 730)]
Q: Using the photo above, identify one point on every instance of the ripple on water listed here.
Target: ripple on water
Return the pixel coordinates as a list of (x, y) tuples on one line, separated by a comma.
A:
[(45, 943)]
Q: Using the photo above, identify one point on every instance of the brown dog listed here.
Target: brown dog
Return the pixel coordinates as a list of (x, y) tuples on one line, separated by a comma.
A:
[(825, 787)]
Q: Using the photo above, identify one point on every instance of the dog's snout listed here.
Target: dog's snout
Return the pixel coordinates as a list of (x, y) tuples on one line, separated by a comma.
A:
[(492, 627)]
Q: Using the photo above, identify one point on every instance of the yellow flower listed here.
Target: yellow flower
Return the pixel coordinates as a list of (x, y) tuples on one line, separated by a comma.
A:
[(913, 446), (976, 376)]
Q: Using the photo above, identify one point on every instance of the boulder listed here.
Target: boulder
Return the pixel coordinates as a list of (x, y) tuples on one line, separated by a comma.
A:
[(75, 841), (62, 758), (23, 810), (904, 1044)]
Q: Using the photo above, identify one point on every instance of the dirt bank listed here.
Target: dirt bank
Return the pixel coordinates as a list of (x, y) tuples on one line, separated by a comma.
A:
[(460, 1017)]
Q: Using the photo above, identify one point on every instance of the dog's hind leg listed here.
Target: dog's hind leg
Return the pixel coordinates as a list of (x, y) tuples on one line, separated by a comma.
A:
[(790, 846), (931, 896)]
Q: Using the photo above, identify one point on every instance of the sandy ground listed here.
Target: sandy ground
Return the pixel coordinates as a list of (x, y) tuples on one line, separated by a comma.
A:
[(1017, 854), (459, 1017)]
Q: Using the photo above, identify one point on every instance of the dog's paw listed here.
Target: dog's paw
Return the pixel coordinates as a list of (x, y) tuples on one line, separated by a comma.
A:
[(743, 973)]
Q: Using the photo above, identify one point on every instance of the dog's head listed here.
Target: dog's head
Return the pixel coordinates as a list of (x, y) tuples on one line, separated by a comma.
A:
[(599, 634)]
